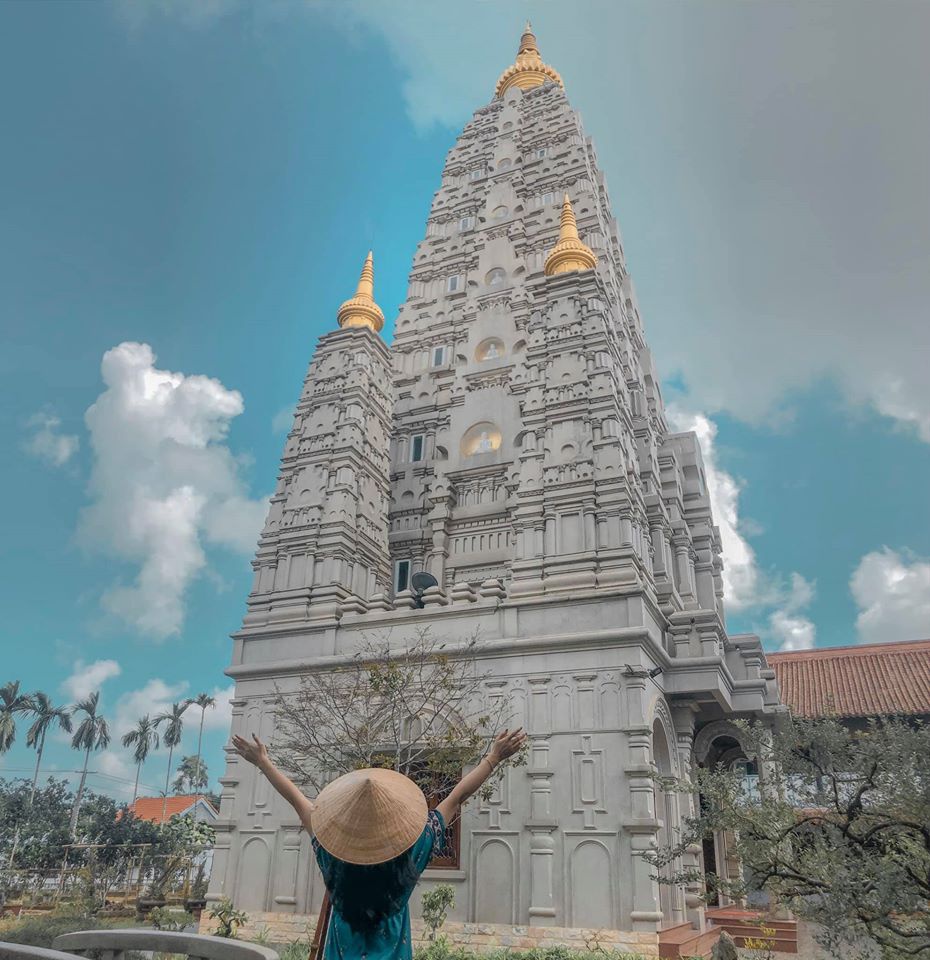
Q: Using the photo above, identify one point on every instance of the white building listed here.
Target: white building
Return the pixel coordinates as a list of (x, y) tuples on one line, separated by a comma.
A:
[(512, 442)]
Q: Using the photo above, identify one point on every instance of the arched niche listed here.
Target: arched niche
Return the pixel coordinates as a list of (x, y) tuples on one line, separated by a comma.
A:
[(482, 437), (717, 741), (254, 859), (590, 885), (495, 277), (489, 349)]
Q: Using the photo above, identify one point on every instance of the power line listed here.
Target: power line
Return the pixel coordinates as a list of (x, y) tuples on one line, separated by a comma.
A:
[(90, 773)]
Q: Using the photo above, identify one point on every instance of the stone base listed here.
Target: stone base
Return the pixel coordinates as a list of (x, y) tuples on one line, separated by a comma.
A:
[(480, 937)]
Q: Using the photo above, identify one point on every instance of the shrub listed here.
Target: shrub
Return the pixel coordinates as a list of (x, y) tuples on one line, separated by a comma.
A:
[(164, 918), (228, 919), (436, 903), (40, 931), (295, 950)]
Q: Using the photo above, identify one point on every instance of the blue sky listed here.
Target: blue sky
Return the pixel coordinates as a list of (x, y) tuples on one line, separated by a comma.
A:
[(205, 178)]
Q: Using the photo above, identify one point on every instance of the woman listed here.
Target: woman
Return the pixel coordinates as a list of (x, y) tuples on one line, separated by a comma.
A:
[(373, 836)]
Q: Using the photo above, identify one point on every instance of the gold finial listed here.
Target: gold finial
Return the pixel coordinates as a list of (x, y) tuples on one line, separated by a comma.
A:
[(361, 310), (569, 253), (528, 71)]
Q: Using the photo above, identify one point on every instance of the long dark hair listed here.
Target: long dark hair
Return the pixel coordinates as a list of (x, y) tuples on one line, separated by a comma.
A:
[(365, 895)]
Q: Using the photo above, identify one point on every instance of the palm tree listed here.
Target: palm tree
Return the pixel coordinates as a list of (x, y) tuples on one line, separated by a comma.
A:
[(192, 773), (203, 701), (12, 702), (46, 714), (171, 738), (144, 737), (92, 734)]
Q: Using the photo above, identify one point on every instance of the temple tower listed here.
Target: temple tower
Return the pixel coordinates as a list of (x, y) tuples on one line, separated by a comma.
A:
[(325, 538), (513, 443)]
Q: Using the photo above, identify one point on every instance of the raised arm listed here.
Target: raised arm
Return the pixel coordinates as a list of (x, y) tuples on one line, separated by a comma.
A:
[(505, 745), (256, 752)]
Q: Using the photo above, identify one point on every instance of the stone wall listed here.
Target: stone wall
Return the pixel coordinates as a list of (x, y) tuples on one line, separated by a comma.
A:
[(481, 937)]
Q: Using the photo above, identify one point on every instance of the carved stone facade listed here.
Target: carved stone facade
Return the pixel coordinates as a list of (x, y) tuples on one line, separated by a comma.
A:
[(518, 451)]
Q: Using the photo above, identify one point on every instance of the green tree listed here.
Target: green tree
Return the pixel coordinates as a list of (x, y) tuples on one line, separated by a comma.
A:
[(42, 822), (12, 703), (192, 776), (837, 828), (174, 728), (46, 714), (143, 738), (202, 700), (93, 733)]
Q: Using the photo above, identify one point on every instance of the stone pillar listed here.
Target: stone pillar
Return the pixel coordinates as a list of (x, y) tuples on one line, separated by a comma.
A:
[(643, 826), (542, 826), (683, 718)]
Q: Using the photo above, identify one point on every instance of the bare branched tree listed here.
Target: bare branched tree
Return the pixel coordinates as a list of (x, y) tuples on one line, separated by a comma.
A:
[(424, 710)]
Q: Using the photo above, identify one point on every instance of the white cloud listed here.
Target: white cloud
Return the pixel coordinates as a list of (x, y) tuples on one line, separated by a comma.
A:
[(892, 591), (788, 626), (745, 586), (282, 420), (119, 774), (153, 698), (163, 483), (47, 442), (740, 572), (87, 678), (220, 717)]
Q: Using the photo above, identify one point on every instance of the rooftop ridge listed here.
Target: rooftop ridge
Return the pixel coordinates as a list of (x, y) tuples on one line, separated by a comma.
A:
[(853, 649)]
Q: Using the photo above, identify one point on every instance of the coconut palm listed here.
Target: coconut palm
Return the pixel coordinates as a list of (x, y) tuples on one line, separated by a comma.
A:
[(192, 774), (46, 715), (171, 738), (12, 702), (92, 734), (202, 700), (144, 738)]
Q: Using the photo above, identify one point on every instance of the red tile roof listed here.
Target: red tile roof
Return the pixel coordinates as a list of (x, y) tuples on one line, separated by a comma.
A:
[(149, 808), (869, 680)]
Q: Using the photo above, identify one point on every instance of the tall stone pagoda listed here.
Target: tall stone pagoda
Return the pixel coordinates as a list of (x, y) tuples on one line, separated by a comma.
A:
[(512, 443)]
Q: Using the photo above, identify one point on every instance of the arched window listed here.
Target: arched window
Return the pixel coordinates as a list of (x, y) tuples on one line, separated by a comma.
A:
[(484, 437), (490, 349)]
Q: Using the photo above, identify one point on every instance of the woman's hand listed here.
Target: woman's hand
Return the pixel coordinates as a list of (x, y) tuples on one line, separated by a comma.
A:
[(255, 752), (505, 745)]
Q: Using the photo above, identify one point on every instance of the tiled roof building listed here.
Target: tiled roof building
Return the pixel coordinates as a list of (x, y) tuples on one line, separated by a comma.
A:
[(869, 680), (150, 808)]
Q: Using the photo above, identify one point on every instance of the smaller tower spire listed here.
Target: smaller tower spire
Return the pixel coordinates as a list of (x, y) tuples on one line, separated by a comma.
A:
[(529, 70), (569, 253), (361, 310)]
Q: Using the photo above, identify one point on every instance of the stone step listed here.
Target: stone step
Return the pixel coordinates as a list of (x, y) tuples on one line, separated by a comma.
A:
[(747, 924), (684, 941)]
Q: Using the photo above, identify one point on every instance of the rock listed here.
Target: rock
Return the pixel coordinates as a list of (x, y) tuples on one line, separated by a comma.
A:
[(725, 948)]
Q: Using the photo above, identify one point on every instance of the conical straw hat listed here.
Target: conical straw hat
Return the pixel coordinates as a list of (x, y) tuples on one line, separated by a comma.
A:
[(369, 816)]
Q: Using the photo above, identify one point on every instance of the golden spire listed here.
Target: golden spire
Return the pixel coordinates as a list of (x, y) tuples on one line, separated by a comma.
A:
[(528, 71), (569, 253), (361, 310)]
